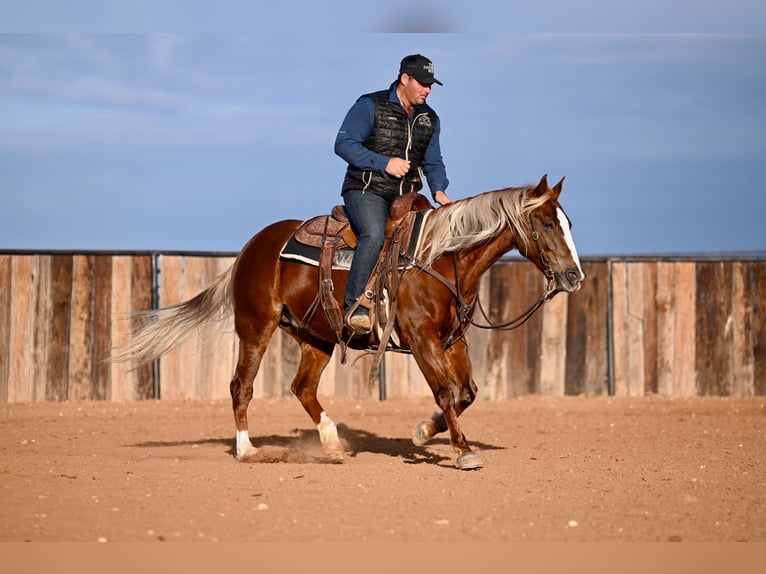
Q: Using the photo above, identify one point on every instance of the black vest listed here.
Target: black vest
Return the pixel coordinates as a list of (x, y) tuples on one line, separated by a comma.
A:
[(394, 135)]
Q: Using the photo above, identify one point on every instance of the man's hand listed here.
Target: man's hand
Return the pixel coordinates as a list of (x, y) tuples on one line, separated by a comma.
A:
[(397, 167), (441, 198)]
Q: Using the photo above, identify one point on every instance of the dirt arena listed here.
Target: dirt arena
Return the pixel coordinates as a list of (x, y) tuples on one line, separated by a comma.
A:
[(556, 470)]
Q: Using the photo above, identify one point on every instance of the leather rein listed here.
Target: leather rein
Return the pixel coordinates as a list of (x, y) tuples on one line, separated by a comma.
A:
[(466, 310)]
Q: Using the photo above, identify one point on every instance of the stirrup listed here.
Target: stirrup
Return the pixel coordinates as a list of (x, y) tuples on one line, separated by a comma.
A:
[(358, 323)]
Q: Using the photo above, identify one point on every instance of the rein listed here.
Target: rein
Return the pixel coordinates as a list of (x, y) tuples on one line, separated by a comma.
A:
[(466, 310)]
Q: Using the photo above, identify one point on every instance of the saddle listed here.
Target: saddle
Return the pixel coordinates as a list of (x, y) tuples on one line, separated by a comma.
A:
[(336, 228), (334, 231)]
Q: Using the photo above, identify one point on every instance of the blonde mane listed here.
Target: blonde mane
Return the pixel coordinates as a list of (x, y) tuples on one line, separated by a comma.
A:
[(475, 220)]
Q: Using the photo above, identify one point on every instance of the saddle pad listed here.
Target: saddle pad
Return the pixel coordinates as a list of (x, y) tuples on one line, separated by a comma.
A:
[(297, 251)]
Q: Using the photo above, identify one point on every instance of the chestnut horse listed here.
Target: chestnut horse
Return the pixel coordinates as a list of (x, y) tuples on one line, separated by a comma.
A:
[(435, 299)]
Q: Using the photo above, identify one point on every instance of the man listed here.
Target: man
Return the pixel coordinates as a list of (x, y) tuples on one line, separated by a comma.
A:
[(390, 140)]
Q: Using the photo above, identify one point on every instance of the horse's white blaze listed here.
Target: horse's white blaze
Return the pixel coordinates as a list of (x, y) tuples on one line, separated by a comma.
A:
[(564, 224), (244, 446), (328, 432)]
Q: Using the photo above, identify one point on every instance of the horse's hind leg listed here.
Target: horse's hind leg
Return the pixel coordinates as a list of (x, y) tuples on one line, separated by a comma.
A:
[(241, 388), (314, 358)]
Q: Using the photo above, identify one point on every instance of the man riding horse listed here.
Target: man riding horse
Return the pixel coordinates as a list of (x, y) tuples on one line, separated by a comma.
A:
[(390, 139)]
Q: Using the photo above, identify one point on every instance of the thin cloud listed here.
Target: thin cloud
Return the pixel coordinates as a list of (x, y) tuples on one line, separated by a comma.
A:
[(75, 91)]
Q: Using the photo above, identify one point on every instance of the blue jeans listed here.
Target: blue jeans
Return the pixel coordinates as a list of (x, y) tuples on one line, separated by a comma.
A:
[(368, 213)]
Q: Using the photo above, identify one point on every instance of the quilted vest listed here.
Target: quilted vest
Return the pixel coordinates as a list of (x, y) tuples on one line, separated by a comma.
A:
[(394, 135)]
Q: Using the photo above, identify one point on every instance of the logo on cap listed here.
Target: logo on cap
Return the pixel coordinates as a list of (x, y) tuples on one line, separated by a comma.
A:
[(420, 68)]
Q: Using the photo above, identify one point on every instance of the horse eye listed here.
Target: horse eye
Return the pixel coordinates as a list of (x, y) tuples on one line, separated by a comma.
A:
[(549, 224)]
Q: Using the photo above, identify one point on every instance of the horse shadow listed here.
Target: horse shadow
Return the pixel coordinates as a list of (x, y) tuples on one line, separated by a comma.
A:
[(302, 446)]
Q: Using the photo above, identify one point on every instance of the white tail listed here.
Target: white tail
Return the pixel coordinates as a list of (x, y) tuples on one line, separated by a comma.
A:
[(163, 329)]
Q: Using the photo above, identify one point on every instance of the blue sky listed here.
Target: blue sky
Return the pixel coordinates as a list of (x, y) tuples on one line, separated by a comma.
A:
[(116, 137)]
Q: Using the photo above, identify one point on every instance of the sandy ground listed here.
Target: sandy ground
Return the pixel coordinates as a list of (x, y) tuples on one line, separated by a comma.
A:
[(556, 470)]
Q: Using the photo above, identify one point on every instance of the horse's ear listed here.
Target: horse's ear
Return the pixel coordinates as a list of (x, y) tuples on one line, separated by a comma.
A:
[(542, 187), (556, 191)]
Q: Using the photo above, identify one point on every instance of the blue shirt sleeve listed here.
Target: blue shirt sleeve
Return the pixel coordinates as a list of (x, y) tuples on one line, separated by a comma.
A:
[(356, 127), (433, 164)]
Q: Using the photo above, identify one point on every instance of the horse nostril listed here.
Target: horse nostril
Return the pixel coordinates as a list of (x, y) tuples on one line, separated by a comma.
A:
[(573, 275)]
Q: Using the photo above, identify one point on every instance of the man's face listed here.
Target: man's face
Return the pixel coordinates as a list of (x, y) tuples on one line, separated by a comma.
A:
[(414, 92)]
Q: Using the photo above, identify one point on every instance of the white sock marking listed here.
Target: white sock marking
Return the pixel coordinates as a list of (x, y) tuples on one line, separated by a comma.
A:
[(243, 443), (328, 432)]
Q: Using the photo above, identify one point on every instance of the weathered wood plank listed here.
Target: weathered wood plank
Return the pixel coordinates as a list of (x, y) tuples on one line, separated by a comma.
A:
[(189, 351), (215, 382), (274, 376), (101, 384), (576, 343), (358, 378), (123, 380), (417, 386), (714, 328), (81, 333), (42, 316), (224, 345), (532, 330), (629, 289), (198, 274), (741, 358), (635, 368), (61, 313), (620, 346), (594, 300), (170, 293), (649, 323), (530, 335), (553, 346), (758, 303), (327, 382), (500, 377), (5, 324), (336, 380), (666, 325), (478, 345), (142, 284), (675, 320), (21, 369), (684, 343)]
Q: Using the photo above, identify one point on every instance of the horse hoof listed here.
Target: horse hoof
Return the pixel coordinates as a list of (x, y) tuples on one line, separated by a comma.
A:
[(335, 454), (335, 458), (420, 434), (469, 461), (247, 454)]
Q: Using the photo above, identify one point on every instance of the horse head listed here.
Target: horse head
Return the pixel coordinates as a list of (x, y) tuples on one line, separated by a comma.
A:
[(549, 244)]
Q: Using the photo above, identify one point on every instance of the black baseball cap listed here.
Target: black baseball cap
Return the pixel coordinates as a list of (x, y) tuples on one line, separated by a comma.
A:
[(420, 68)]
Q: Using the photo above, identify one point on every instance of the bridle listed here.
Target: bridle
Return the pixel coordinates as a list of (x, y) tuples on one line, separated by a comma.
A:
[(465, 310)]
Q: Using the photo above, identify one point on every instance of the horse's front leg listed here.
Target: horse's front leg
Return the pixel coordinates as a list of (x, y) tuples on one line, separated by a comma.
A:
[(449, 375)]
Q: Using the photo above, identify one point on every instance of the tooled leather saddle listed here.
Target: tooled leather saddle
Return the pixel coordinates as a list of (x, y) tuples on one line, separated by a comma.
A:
[(335, 227), (331, 234)]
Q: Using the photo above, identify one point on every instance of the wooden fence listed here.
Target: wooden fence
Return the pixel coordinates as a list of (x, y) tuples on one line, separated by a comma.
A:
[(679, 327)]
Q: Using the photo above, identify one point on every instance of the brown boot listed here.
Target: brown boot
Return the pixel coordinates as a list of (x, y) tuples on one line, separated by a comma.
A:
[(359, 322)]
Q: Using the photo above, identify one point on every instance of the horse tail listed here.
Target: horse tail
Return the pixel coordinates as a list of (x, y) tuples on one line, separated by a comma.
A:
[(161, 330)]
